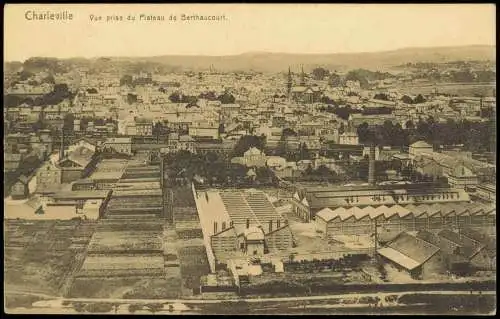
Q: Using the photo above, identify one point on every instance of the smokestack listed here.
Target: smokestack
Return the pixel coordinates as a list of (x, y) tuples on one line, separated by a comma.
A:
[(61, 151), (248, 223), (270, 226), (371, 166)]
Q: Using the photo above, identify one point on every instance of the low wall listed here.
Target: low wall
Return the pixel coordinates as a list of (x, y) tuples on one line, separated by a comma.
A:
[(327, 287)]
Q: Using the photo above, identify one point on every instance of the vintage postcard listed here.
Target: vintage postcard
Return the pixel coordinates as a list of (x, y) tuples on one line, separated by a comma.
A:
[(249, 159)]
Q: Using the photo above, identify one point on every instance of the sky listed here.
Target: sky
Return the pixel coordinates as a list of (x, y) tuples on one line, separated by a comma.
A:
[(283, 28)]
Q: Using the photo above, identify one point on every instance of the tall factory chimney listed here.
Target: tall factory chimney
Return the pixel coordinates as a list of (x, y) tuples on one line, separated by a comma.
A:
[(371, 165), (61, 150)]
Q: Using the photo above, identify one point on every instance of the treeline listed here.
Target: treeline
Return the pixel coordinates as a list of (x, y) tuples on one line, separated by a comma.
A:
[(246, 142), (417, 100), (225, 98), (51, 65), (58, 94), (213, 168), (362, 75), (475, 136)]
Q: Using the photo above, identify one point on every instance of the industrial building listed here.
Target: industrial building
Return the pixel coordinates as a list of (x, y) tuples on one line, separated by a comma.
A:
[(427, 254), (415, 256), (241, 223), (363, 221), (307, 202)]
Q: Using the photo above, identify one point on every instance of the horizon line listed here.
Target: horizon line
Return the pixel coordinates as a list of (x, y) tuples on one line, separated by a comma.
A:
[(255, 53)]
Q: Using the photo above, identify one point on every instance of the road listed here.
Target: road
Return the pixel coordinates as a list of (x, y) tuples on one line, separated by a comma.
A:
[(60, 305), (9, 291), (251, 300)]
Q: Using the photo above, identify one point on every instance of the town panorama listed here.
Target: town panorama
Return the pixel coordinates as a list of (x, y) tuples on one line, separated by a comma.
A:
[(140, 186)]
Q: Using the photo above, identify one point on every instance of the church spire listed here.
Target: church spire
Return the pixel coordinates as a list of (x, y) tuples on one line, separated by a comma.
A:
[(289, 81), (302, 77)]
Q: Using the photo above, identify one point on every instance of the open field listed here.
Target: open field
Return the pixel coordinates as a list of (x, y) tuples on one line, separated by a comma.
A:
[(194, 264), (126, 241), (40, 256)]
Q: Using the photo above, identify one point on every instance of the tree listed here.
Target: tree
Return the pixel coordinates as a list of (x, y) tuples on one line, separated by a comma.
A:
[(282, 147), (288, 132), (227, 98), (485, 76), (131, 98), (134, 307), (49, 79), (364, 133), (423, 129), (463, 76), (320, 73), (99, 307), (419, 99), (246, 142), (79, 306), (211, 157), (406, 99), (155, 307), (12, 100), (175, 97), (210, 95), (323, 171), (69, 120), (24, 75), (381, 96), (341, 128), (409, 125), (304, 152), (328, 101), (309, 170), (126, 80), (334, 80), (192, 100), (359, 75)]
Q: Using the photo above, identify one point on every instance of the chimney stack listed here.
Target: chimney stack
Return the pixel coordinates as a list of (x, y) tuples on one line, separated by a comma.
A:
[(61, 151), (248, 223), (371, 166)]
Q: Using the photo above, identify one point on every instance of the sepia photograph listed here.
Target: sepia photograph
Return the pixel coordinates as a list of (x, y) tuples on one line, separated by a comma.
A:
[(264, 159)]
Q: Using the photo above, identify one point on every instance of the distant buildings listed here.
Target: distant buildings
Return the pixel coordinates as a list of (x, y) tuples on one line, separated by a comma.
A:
[(144, 127), (122, 145)]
